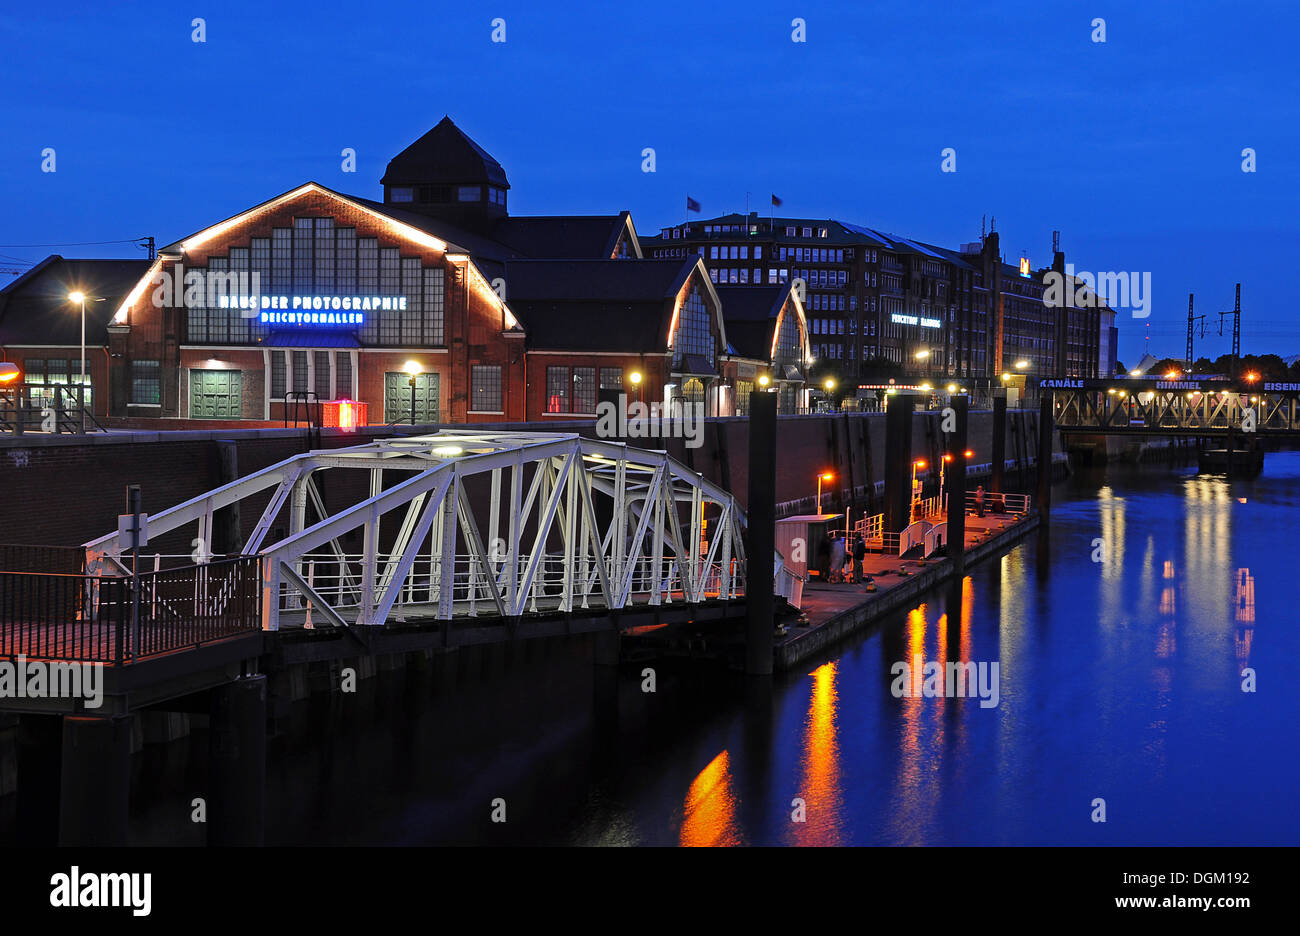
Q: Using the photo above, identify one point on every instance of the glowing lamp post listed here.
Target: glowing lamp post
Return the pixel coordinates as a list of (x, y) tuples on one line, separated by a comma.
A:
[(635, 377), (80, 298), (412, 369), (824, 476), (919, 464)]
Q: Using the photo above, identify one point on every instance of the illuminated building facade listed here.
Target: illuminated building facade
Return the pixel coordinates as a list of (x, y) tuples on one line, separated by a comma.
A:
[(878, 301)]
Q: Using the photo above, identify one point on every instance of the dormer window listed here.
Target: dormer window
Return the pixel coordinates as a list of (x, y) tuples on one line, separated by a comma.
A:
[(497, 196), (468, 193), (403, 194)]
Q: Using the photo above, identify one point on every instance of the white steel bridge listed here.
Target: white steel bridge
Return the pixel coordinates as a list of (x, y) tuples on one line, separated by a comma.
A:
[(461, 525)]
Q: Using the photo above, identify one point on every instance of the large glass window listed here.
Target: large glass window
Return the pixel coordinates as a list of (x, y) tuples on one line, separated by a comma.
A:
[(322, 376), (300, 371), (342, 375), (316, 257), (278, 371), (584, 389), (485, 391), (146, 382), (788, 345), (694, 335), (557, 390)]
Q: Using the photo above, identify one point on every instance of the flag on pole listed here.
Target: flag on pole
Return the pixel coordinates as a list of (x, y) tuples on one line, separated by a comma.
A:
[(692, 204), (776, 202)]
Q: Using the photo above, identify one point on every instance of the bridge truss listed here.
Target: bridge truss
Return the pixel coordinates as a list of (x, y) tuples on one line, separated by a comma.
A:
[(466, 524), (1205, 408)]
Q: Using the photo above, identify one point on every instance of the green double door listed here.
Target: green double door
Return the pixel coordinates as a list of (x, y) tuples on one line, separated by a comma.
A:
[(397, 398), (216, 394)]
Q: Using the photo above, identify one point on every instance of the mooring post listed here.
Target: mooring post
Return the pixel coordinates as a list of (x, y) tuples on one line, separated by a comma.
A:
[(95, 781), (760, 622), (1045, 431), (999, 440), (956, 475), (898, 462), (237, 772)]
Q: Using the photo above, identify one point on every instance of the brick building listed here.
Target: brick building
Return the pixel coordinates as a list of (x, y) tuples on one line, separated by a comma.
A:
[(433, 305), (879, 301)]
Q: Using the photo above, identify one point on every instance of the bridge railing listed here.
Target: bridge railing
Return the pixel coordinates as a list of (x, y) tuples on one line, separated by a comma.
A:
[(63, 616), (90, 618), (338, 580), (997, 502)]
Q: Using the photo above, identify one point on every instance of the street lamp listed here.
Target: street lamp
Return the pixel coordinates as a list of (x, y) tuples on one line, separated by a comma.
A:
[(824, 476), (911, 513), (764, 380), (80, 298), (9, 373), (412, 368), (635, 377)]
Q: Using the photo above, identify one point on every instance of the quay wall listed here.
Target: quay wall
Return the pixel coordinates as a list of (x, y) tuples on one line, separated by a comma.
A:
[(64, 490)]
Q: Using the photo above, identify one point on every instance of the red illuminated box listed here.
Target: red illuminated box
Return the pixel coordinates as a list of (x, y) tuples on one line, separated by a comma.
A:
[(343, 414)]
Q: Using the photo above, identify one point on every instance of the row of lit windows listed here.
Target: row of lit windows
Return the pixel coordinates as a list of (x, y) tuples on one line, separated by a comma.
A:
[(441, 194), (319, 375), (574, 389), (733, 252), (812, 254), (820, 302)]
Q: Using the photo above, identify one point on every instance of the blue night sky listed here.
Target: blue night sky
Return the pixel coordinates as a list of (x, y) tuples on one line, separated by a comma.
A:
[(1131, 148)]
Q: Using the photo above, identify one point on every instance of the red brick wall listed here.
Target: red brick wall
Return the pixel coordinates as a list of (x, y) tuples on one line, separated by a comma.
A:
[(65, 491), (473, 324)]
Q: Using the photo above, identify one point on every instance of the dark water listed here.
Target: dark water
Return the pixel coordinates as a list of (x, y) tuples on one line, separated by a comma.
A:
[(1119, 679)]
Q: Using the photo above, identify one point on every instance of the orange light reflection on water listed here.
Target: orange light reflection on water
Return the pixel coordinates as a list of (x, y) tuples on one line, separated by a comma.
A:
[(819, 785), (710, 807)]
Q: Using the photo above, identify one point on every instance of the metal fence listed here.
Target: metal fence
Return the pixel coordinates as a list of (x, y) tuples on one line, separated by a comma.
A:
[(88, 618)]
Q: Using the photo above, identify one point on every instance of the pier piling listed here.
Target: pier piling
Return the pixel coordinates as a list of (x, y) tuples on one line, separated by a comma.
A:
[(761, 510)]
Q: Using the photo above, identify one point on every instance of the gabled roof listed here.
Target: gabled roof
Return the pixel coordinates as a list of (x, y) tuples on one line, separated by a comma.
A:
[(444, 155), (751, 313), (407, 225), (596, 305), (35, 310)]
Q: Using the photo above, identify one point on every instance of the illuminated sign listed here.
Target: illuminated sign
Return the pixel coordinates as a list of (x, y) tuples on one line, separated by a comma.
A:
[(1024, 266), (1284, 387), (1061, 384), (901, 319), (312, 310)]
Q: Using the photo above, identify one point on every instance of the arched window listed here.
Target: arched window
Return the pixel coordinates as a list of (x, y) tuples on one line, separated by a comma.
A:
[(788, 346), (694, 334)]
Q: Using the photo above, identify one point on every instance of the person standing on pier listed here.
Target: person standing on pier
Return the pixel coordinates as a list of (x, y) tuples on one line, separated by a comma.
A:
[(979, 500)]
